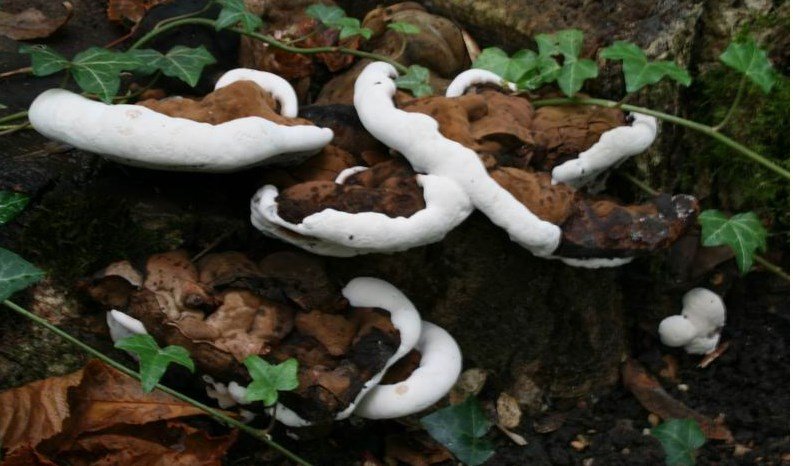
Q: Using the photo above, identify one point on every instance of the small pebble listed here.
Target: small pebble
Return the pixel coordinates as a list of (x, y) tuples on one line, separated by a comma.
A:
[(682, 387), (653, 419)]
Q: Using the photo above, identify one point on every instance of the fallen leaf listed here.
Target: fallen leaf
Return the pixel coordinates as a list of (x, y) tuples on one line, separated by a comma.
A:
[(26, 456), (155, 444), (415, 449), (509, 413), (655, 399), (93, 398), (32, 23), (470, 383), (131, 10)]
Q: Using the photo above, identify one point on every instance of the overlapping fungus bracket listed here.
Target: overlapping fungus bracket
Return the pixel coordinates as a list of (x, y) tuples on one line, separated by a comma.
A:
[(226, 307)]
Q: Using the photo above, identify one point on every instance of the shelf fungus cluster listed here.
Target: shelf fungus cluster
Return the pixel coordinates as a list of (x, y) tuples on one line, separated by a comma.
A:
[(478, 147), (362, 349)]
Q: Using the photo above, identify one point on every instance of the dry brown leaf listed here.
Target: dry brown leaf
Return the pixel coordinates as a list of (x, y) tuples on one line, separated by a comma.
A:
[(26, 456), (155, 444), (32, 23), (470, 383), (509, 413), (130, 10), (415, 449), (655, 399), (93, 398)]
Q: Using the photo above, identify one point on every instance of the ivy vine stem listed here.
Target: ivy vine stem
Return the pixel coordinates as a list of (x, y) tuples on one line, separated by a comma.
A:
[(710, 131), (268, 39), (14, 116), (735, 102), (773, 268), (259, 434)]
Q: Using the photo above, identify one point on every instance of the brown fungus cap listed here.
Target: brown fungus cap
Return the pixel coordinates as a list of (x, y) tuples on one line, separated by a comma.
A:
[(227, 307)]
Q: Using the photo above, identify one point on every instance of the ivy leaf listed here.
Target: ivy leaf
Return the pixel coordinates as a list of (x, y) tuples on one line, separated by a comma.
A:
[(460, 428), (570, 42), (234, 12), (44, 60), (269, 379), (752, 61), (416, 80), (154, 360), (547, 46), (11, 204), (639, 71), (335, 18), (680, 439), (743, 233), (512, 69), (185, 63), (96, 70), (574, 73), (404, 28), (149, 60), (326, 14), (16, 273)]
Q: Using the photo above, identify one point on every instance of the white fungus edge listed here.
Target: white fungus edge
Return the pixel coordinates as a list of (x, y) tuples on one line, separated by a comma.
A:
[(475, 76)]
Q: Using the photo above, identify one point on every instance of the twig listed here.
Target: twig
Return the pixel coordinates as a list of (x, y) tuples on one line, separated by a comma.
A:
[(16, 128), (219, 416), (26, 69), (673, 119), (640, 184)]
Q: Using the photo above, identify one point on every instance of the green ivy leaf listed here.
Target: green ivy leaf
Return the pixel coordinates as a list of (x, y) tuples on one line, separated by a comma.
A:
[(680, 439), (96, 70), (154, 360), (269, 379), (743, 233), (570, 42), (335, 18), (234, 12), (404, 28), (512, 69), (574, 73), (752, 61), (326, 14), (149, 60), (416, 80), (11, 204), (44, 60), (547, 45), (185, 63), (460, 428), (16, 273), (639, 71)]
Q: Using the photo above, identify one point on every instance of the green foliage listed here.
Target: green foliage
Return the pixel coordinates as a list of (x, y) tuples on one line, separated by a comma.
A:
[(416, 80), (680, 438), (752, 61), (11, 204), (461, 429), (44, 60), (269, 379), (97, 70), (743, 233), (510, 68), (180, 62), (531, 70), (185, 63), (335, 18), (154, 360), (234, 12), (403, 27), (638, 70), (16, 273)]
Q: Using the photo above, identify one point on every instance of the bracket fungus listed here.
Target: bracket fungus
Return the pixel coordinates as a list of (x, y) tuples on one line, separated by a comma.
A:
[(227, 307), (483, 149), (698, 327), (166, 137)]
